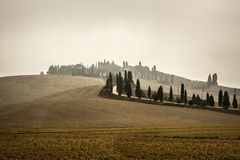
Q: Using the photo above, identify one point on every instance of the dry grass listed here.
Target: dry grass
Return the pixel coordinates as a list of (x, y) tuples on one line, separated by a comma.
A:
[(18, 89), (83, 108), (72, 122), (163, 143)]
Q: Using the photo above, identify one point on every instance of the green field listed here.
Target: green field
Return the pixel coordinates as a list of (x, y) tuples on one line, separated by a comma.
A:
[(149, 143)]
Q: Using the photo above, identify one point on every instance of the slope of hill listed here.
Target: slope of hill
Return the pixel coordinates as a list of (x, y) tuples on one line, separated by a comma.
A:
[(214, 90), (82, 107), (17, 89)]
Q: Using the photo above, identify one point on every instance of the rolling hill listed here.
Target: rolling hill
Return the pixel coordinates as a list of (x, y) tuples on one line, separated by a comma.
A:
[(66, 102), (17, 89)]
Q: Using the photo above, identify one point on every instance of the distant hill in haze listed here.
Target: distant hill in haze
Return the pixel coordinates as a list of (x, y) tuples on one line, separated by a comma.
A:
[(155, 77)]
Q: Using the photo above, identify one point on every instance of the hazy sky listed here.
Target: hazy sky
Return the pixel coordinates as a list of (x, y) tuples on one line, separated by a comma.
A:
[(190, 38)]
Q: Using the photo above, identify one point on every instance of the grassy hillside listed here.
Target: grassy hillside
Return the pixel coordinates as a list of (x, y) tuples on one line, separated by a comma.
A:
[(62, 117), (214, 90), (17, 89), (83, 108)]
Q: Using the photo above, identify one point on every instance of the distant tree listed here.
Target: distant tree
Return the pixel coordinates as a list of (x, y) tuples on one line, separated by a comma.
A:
[(155, 96), (138, 89), (171, 94), (211, 101), (198, 100), (214, 79), (108, 86), (209, 82), (220, 98), (191, 102), (110, 83), (119, 84), (128, 89), (226, 102), (107, 83), (149, 92), (160, 93), (185, 97), (235, 102), (207, 99), (130, 78), (125, 77), (194, 99), (182, 93)]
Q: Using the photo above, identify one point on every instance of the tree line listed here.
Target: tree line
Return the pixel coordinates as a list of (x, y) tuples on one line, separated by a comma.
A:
[(125, 85)]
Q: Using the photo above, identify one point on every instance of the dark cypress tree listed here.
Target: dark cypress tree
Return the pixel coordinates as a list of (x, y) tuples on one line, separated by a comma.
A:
[(138, 89), (207, 99), (171, 94), (182, 93), (128, 89), (194, 99), (226, 102), (119, 84), (185, 97), (235, 103), (198, 100), (110, 83), (125, 77), (149, 92), (160, 93), (220, 98), (155, 96), (130, 78), (211, 101), (107, 83), (209, 82)]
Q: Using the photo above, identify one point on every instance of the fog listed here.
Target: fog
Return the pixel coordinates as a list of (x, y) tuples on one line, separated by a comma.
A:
[(188, 38)]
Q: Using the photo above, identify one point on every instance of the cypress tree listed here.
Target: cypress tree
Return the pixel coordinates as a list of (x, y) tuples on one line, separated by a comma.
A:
[(130, 78), (149, 92), (125, 77), (211, 101), (185, 97), (138, 89), (194, 98), (226, 102), (155, 96), (207, 99), (119, 84), (128, 89), (171, 94), (182, 93), (220, 98), (235, 103), (160, 93), (198, 100), (110, 83), (209, 82), (107, 83)]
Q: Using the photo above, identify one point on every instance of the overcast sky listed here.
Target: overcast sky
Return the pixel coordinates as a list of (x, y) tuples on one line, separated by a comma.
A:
[(190, 38)]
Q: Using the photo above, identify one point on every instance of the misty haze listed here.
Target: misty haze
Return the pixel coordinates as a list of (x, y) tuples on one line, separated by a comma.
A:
[(126, 79)]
